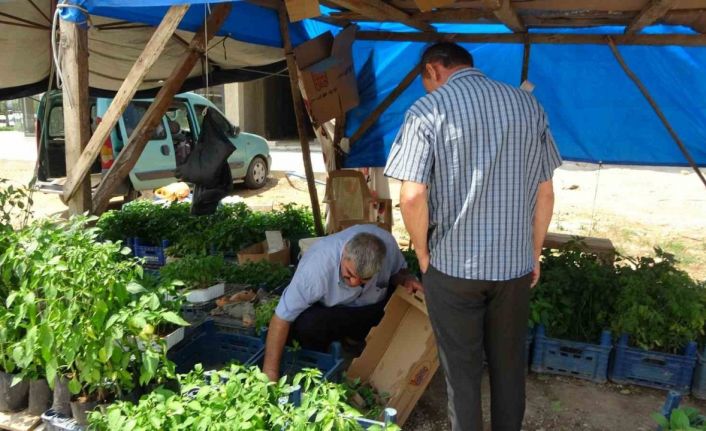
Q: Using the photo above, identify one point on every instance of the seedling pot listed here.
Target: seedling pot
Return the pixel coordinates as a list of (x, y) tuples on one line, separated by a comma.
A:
[(12, 398)]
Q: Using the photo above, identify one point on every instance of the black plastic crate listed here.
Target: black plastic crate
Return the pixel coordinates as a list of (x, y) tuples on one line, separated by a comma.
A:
[(214, 349)]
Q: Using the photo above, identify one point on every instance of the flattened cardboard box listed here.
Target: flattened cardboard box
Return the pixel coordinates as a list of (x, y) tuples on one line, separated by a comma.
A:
[(302, 9), (400, 356), (258, 252), (326, 75)]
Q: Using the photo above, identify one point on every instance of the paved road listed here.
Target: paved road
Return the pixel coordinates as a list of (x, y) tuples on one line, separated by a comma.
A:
[(15, 146)]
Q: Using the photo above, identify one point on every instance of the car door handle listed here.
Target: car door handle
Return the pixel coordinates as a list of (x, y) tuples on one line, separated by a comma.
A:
[(165, 150)]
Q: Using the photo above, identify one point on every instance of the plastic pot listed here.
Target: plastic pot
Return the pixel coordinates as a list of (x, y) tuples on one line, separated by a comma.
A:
[(62, 397), (40, 397), (80, 410), (12, 398)]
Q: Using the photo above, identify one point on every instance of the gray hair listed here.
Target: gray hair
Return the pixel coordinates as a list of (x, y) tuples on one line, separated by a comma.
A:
[(367, 253)]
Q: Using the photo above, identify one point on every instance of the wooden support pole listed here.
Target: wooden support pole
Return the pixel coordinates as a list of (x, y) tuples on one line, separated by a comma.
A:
[(77, 120), (132, 82), (299, 112), (382, 107), (539, 38), (654, 10), (525, 60), (378, 9), (506, 14), (142, 133), (656, 108)]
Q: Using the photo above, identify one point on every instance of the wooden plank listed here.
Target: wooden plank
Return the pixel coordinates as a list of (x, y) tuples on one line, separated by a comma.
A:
[(142, 133), (506, 14), (576, 5), (378, 9), (154, 48), (543, 38), (382, 107), (525, 60), (594, 244), (77, 120), (657, 110), (654, 10), (20, 421), (299, 112)]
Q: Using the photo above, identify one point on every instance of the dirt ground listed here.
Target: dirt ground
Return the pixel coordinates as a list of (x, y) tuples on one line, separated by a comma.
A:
[(636, 208)]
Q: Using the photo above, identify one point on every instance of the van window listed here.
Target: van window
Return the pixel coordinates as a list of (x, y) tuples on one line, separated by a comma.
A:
[(132, 116), (179, 113), (56, 122)]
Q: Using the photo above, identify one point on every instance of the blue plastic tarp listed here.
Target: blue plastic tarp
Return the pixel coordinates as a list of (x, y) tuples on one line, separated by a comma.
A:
[(596, 113)]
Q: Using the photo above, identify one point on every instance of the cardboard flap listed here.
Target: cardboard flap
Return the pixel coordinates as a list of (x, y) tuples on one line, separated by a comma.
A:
[(313, 51), (343, 44), (302, 9)]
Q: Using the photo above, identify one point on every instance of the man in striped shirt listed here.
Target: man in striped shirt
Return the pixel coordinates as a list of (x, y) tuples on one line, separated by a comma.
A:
[(476, 158)]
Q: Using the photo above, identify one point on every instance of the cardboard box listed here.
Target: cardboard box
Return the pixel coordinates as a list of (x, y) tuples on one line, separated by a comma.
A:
[(258, 252), (400, 357), (302, 9), (326, 75)]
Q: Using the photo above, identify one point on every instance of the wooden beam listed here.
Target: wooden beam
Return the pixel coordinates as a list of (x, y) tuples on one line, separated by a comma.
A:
[(540, 38), (382, 107), (142, 133), (378, 9), (129, 87), (299, 112), (525, 60), (506, 14), (654, 10), (77, 120), (656, 108)]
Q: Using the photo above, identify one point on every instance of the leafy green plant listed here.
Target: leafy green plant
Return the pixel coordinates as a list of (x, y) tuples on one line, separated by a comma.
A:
[(15, 204), (196, 272), (412, 263), (682, 419), (264, 310), (238, 398), (75, 308), (659, 305), (575, 297), (265, 274)]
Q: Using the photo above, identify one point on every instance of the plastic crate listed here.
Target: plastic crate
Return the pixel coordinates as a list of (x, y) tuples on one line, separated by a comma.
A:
[(54, 421), (197, 312), (231, 325), (214, 349), (153, 256), (698, 386), (653, 369), (330, 364), (571, 358)]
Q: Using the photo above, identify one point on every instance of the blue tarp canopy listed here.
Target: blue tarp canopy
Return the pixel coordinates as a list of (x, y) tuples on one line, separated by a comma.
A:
[(596, 113)]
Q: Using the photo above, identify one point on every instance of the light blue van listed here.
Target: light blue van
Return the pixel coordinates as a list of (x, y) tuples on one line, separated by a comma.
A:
[(169, 146)]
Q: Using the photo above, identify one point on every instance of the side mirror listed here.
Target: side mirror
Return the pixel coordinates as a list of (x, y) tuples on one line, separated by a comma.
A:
[(235, 131)]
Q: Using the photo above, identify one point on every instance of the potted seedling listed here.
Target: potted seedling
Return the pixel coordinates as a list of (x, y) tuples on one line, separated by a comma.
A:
[(201, 276)]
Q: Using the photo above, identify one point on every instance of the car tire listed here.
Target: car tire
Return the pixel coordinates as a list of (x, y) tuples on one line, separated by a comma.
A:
[(256, 177)]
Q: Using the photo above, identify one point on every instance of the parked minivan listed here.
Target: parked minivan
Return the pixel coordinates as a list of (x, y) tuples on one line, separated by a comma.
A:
[(169, 146)]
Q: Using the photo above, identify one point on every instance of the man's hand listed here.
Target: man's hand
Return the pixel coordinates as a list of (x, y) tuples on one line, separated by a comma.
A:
[(412, 284), (535, 274), (272, 374)]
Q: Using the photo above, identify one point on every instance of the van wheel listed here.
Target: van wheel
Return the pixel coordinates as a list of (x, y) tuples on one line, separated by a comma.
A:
[(256, 176)]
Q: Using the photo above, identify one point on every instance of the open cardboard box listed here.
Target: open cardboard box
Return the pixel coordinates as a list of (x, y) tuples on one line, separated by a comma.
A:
[(326, 75), (400, 357), (258, 252)]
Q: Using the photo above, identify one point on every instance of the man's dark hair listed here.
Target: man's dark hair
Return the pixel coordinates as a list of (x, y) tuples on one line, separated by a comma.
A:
[(448, 54)]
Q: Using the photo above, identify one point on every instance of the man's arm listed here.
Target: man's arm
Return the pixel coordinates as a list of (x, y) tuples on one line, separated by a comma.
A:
[(415, 213), (276, 339), (542, 218), (404, 278)]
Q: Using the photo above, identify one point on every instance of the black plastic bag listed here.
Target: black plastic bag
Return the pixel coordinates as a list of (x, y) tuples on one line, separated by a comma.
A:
[(203, 166)]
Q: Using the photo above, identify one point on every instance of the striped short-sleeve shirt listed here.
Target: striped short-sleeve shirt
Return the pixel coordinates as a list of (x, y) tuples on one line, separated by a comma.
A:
[(482, 147)]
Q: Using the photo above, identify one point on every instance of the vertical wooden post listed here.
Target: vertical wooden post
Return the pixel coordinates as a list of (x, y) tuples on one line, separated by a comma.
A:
[(299, 111), (77, 121), (525, 60)]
